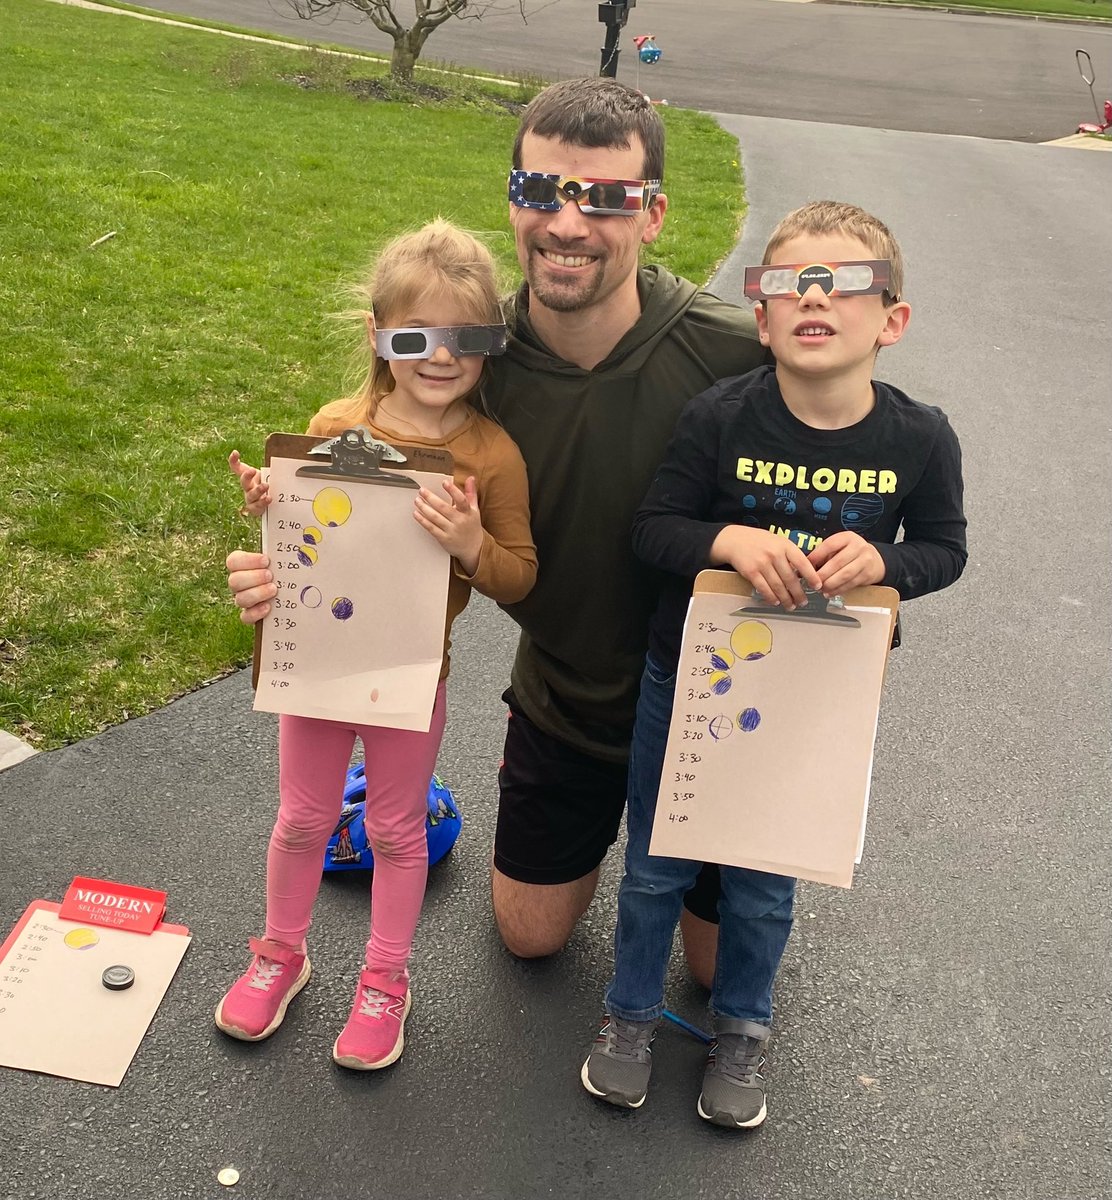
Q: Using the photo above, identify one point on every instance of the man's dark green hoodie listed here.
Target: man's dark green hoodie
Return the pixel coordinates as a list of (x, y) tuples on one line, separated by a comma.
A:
[(592, 441)]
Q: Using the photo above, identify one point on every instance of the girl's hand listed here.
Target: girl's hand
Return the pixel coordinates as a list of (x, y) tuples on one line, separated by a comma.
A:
[(455, 522), (845, 560), (776, 567), (256, 493)]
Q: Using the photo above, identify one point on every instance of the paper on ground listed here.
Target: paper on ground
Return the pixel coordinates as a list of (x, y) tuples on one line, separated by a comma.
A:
[(55, 1013)]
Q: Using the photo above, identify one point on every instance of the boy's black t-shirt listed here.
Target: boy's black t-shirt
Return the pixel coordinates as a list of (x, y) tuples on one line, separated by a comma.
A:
[(740, 457)]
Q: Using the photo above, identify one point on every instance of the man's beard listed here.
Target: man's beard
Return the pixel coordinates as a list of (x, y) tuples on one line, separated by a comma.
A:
[(560, 297)]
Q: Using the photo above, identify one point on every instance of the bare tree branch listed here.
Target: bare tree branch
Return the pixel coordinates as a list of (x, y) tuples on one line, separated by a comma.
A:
[(428, 15)]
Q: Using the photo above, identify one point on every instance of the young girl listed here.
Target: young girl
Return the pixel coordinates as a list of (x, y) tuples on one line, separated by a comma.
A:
[(435, 318)]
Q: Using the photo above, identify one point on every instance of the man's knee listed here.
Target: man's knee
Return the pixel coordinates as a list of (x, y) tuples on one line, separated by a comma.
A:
[(700, 947), (536, 920), (529, 942)]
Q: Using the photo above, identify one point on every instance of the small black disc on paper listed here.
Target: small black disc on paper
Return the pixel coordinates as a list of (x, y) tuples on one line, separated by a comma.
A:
[(117, 978)]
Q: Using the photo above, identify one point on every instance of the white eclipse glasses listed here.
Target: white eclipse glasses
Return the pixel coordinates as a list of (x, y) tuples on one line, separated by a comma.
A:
[(867, 277), (423, 342)]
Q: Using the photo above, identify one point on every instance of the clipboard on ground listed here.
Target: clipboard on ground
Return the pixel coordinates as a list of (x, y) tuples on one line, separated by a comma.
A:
[(770, 748), (356, 632)]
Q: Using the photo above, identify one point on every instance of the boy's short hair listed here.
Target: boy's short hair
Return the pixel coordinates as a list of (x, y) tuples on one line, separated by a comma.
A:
[(599, 113), (833, 216)]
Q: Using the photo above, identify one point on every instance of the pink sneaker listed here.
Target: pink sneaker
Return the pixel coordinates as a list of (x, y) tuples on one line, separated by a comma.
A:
[(256, 1003), (373, 1036)]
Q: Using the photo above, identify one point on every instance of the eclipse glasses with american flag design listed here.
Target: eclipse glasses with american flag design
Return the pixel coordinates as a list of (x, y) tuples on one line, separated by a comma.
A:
[(605, 197), (868, 277)]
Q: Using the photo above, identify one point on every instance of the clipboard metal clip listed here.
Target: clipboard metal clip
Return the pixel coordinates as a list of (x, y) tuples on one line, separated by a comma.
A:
[(816, 608), (358, 456)]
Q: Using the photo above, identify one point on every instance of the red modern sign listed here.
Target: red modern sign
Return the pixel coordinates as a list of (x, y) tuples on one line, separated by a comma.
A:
[(119, 905)]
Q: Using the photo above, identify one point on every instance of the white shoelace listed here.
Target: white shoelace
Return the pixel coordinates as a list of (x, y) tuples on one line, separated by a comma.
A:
[(375, 1003), (267, 970)]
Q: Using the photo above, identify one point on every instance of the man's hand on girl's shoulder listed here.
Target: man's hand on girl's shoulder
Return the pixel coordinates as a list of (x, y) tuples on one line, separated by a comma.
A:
[(251, 584)]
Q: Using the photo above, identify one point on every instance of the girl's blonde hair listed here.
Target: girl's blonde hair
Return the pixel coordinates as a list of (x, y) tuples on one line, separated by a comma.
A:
[(440, 260), (833, 216)]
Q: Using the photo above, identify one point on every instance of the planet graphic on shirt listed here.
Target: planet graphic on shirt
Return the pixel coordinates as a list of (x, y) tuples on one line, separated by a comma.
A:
[(748, 720), (342, 608), (312, 536), (331, 506), (311, 597), (751, 640), (861, 512), (306, 555), (822, 505)]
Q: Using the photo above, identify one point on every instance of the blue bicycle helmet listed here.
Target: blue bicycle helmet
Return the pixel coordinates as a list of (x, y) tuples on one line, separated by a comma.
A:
[(347, 848)]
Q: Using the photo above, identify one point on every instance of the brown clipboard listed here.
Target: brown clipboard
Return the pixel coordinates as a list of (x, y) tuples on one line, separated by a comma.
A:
[(773, 804), (301, 446), (730, 583)]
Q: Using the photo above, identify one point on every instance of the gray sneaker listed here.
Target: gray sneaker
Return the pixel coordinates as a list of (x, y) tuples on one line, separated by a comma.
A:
[(620, 1062), (734, 1081)]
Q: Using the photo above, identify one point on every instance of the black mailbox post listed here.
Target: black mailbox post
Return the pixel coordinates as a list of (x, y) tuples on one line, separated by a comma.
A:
[(613, 14)]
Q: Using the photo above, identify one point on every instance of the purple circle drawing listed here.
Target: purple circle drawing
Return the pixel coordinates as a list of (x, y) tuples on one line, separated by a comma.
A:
[(748, 720), (311, 597), (342, 608), (307, 556)]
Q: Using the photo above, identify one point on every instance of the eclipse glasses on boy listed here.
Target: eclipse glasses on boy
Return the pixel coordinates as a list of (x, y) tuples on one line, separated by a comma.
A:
[(423, 342), (867, 277), (602, 197)]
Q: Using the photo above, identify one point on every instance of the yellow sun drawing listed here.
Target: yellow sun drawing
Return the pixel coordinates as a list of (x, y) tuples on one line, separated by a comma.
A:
[(751, 640), (331, 506), (80, 939)]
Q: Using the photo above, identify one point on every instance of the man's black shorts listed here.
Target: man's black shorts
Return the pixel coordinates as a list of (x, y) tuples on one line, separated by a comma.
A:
[(560, 810)]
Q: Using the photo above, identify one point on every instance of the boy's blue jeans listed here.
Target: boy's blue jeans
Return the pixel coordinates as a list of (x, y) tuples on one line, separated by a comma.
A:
[(754, 909)]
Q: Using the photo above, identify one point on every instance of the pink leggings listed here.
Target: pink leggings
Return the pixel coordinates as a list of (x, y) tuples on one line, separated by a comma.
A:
[(313, 757)]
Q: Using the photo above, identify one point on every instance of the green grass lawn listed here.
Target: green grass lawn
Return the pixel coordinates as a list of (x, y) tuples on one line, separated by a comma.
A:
[(1058, 8), (240, 203)]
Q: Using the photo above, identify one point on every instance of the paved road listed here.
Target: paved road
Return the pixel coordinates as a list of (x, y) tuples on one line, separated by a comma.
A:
[(943, 1028), (995, 77)]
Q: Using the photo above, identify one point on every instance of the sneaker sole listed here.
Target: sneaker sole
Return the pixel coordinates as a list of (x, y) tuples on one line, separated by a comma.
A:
[(724, 1119), (357, 1064), (242, 1035), (610, 1097)]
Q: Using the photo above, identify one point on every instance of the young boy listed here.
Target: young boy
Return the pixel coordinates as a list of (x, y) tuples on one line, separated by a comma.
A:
[(798, 475)]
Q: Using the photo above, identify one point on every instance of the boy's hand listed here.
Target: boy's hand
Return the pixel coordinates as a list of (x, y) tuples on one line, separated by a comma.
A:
[(777, 568), (455, 522), (256, 493), (251, 584), (845, 560)]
